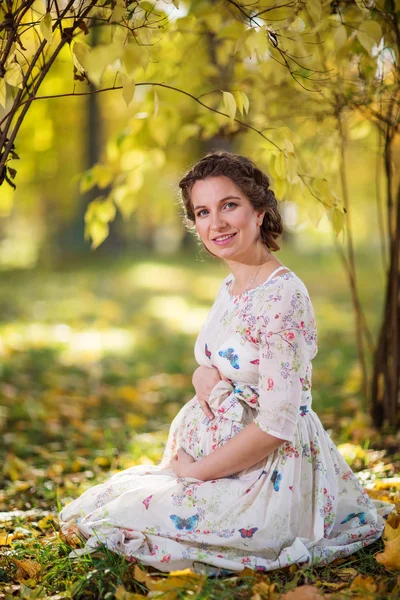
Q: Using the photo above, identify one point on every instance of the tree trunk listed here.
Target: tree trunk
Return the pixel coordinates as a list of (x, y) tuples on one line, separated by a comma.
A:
[(386, 373)]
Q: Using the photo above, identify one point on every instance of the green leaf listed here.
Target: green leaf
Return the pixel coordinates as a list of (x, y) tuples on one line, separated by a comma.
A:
[(46, 27), (175, 3), (230, 104), (3, 92)]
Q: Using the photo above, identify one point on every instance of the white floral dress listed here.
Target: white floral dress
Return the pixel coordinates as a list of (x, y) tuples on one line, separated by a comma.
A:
[(302, 504)]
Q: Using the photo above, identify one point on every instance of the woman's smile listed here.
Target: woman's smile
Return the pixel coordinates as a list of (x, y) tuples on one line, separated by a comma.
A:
[(223, 240)]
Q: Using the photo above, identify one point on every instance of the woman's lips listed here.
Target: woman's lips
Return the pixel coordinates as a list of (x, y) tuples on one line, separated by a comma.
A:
[(224, 241)]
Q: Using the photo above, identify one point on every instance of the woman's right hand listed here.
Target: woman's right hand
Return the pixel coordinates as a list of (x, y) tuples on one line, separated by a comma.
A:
[(204, 380)]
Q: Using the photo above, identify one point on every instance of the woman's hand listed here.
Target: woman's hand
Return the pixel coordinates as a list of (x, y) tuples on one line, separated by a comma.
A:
[(204, 380), (181, 462)]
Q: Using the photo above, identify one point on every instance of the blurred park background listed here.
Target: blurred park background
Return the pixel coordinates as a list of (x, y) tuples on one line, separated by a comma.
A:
[(103, 107), (103, 289)]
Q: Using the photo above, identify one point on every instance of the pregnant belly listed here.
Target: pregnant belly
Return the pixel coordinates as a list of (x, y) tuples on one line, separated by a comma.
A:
[(199, 436)]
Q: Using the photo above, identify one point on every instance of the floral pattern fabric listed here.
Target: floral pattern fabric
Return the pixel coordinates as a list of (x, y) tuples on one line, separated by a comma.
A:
[(302, 504)]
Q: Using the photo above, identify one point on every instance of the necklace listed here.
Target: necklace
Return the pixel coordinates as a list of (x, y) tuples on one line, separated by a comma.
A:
[(252, 279)]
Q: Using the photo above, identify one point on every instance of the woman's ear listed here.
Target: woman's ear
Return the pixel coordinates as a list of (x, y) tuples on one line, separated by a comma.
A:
[(260, 217)]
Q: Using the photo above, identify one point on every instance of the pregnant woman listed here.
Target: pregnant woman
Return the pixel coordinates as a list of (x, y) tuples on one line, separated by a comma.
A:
[(249, 477)]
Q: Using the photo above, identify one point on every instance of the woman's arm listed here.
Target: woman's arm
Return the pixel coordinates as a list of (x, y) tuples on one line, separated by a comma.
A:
[(243, 450)]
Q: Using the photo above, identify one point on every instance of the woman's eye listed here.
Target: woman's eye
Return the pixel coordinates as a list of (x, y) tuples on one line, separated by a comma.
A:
[(204, 210)]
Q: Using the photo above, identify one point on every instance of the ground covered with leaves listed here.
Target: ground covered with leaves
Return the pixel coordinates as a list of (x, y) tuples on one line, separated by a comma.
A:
[(95, 363)]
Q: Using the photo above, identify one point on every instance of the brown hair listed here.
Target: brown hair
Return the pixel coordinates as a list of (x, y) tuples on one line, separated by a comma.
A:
[(252, 182)]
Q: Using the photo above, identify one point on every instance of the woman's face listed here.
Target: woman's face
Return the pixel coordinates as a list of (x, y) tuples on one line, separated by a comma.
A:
[(225, 219)]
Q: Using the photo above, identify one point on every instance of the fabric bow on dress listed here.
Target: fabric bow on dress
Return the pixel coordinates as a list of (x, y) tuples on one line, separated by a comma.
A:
[(226, 399)]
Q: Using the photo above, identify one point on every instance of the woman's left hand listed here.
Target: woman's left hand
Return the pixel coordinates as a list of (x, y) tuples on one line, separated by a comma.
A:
[(181, 463)]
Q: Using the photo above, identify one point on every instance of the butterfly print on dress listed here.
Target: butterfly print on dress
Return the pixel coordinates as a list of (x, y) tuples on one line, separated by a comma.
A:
[(276, 480), (181, 523), (247, 533), (350, 516), (229, 353), (146, 501)]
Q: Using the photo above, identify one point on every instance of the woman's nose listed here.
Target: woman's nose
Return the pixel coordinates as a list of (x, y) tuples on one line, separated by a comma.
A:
[(217, 220)]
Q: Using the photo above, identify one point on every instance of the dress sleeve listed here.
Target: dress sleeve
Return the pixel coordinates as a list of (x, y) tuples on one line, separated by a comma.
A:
[(287, 344)]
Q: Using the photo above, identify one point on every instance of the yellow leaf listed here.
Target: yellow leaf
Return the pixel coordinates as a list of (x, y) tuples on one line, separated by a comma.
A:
[(340, 36), (280, 166), (346, 573), (364, 583), (147, 6), (26, 569), (98, 59), (156, 103), (45, 26), (230, 104), (118, 12), (315, 8), (369, 33), (242, 101), (131, 59), (303, 592), (3, 92), (98, 231), (128, 89), (13, 75), (6, 539), (337, 219), (46, 523), (79, 54), (390, 557), (241, 42), (122, 594), (372, 29), (291, 166)]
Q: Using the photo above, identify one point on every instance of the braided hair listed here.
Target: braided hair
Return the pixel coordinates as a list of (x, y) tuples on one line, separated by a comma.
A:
[(252, 182)]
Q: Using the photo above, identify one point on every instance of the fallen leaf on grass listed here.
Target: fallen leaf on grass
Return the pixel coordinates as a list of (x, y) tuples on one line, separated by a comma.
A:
[(176, 580), (364, 584), (390, 557), (122, 594), (6, 539), (46, 522), (263, 590), (346, 573), (303, 592), (331, 585), (26, 569)]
